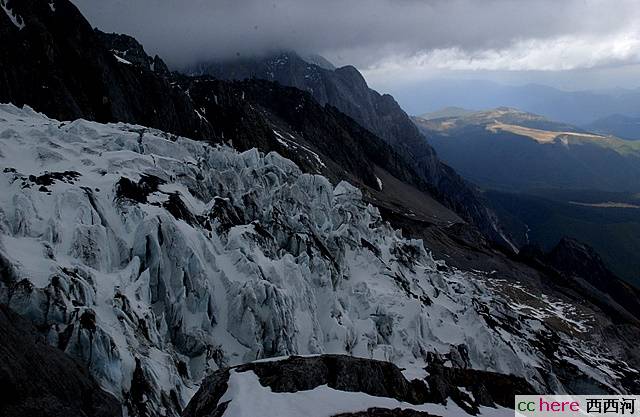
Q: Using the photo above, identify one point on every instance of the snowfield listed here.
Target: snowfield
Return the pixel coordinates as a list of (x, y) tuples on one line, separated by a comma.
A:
[(144, 253)]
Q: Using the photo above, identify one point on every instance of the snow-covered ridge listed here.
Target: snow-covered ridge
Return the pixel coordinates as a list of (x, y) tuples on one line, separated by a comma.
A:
[(144, 253)]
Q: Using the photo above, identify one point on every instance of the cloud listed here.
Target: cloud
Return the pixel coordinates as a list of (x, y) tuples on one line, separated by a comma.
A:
[(564, 53), (384, 35)]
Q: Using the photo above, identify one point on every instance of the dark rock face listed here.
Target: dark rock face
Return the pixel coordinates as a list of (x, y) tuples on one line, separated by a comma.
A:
[(488, 388), (346, 89), (343, 373), (127, 189), (343, 88), (576, 258), (58, 65), (376, 378), (249, 111), (577, 264), (206, 401), (129, 49), (40, 380)]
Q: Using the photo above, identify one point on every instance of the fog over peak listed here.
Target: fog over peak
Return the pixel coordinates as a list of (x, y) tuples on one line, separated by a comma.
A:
[(387, 38)]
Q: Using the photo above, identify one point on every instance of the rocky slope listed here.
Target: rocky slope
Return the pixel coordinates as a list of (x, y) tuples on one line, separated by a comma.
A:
[(320, 139), (346, 89), (129, 50), (154, 259), (578, 262), (55, 62)]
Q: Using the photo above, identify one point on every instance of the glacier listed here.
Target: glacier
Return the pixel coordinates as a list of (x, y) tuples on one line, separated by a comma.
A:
[(156, 259)]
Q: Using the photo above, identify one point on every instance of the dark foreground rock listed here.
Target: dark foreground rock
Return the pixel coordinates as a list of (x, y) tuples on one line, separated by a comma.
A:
[(468, 388), (40, 380), (385, 412)]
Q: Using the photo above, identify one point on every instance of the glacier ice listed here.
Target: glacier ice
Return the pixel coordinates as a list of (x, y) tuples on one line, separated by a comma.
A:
[(161, 258)]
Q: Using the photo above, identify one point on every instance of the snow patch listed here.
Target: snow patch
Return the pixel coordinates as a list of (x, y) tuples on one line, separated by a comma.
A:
[(414, 372), (200, 114), (379, 183), (291, 144), (121, 60), (17, 20)]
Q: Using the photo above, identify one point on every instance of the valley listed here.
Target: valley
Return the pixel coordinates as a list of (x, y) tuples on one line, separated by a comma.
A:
[(612, 228), (547, 179)]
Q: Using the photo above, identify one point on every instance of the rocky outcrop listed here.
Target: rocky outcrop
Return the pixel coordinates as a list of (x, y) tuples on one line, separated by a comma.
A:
[(130, 50), (39, 380), (342, 373), (482, 388), (467, 388), (578, 259)]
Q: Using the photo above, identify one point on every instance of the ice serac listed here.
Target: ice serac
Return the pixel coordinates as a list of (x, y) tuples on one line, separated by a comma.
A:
[(156, 259)]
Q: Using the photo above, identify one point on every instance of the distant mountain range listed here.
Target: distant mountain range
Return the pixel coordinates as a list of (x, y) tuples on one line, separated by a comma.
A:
[(510, 149), (626, 127), (446, 112), (576, 107)]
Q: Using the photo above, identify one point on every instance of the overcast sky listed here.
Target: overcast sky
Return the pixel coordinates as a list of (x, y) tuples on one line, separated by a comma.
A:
[(572, 44)]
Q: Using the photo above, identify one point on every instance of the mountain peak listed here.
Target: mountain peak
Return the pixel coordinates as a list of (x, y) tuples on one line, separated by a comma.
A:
[(320, 61), (128, 50)]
